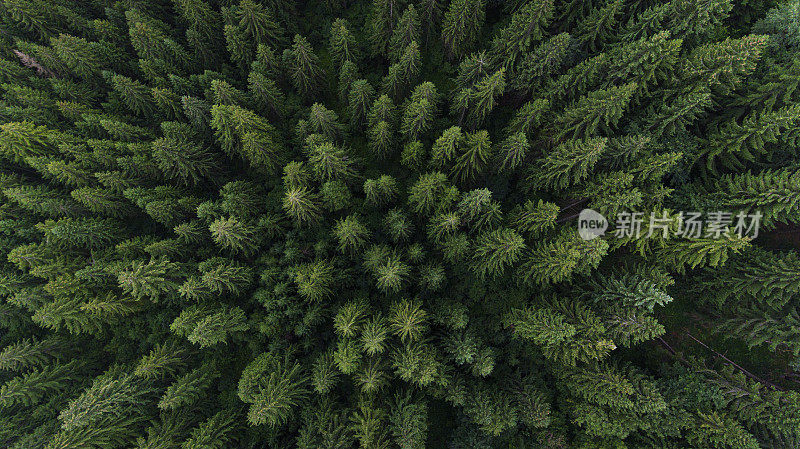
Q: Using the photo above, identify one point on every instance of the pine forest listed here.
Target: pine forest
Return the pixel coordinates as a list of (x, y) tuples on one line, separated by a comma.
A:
[(399, 224)]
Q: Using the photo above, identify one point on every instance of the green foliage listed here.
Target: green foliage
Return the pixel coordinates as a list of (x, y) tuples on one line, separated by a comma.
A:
[(30, 388), (497, 250), (461, 26), (214, 432), (187, 389), (526, 27), (302, 66), (162, 360), (272, 387), (568, 164), (28, 353), (341, 224), (595, 112), (148, 280), (343, 45), (351, 234)]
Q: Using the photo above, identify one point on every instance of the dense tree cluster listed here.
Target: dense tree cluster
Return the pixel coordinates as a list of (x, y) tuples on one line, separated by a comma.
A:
[(352, 224)]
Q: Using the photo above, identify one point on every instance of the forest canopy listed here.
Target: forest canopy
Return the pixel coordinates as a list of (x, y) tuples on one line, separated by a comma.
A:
[(378, 224)]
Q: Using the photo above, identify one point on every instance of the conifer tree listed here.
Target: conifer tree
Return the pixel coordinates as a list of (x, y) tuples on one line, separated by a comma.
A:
[(569, 163), (360, 100), (404, 71), (734, 142), (266, 93), (302, 66), (541, 64), (406, 31), (271, 386), (475, 156), (478, 101), (324, 122), (417, 119), (770, 193), (461, 25), (301, 205), (497, 250), (343, 45), (598, 27), (596, 111), (526, 27)]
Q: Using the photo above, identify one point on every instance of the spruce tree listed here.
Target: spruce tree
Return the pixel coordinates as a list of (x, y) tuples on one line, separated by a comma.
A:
[(461, 25)]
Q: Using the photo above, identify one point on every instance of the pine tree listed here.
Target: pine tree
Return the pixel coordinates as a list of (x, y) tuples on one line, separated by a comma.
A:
[(569, 163), (31, 387), (82, 57), (404, 71), (430, 17), (325, 122), (447, 147), (559, 259), (183, 160), (678, 113), (734, 143), (407, 320), (428, 192), (770, 193), (567, 332), (266, 93), (722, 65), (526, 27), (417, 119), (212, 432), (540, 65), (302, 66), (391, 274), (701, 252), (152, 279), (598, 27), (301, 205), (187, 389), (497, 250), (475, 156), (272, 387), (331, 163), (380, 191), (234, 235), (597, 111), (351, 234), (381, 139), (343, 45), (534, 218), (380, 24), (761, 275), (315, 280), (406, 31), (27, 353), (529, 117), (513, 151), (477, 102), (408, 422), (461, 26), (360, 99), (19, 140), (686, 19)]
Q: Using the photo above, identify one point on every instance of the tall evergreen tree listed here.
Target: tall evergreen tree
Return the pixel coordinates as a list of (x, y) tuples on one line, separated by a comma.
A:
[(461, 26)]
